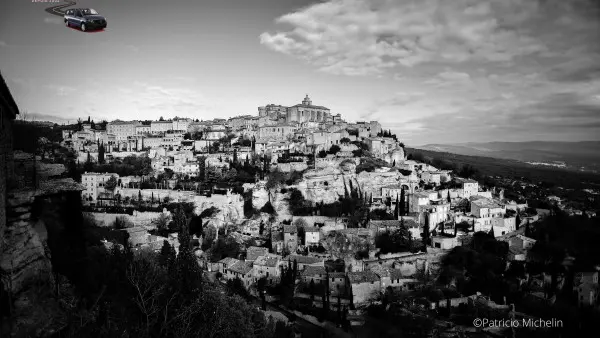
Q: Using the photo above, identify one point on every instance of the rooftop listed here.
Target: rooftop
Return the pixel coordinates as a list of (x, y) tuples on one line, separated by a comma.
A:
[(311, 229), (303, 259), (309, 106), (253, 252), (290, 229), (267, 260), (314, 271), (362, 277), (486, 203), (241, 267), (228, 261)]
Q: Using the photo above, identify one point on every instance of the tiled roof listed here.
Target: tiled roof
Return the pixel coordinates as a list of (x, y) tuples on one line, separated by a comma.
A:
[(386, 223), (314, 271), (311, 229), (228, 261), (362, 277), (253, 252), (267, 260), (309, 106), (241, 267), (486, 203), (303, 259), (290, 229)]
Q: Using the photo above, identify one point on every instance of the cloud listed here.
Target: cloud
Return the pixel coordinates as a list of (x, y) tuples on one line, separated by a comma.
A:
[(3, 44), (366, 37), (54, 20), (166, 100)]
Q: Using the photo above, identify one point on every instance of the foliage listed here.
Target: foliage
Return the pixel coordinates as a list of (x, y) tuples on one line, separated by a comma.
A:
[(121, 223), (268, 208), (484, 262), (224, 247), (334, 149), (162, 224), (209, 212), (398, 240), (369, 164)]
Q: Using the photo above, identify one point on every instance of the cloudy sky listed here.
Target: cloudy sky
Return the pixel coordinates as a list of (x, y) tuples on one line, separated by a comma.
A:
[(433, 71)]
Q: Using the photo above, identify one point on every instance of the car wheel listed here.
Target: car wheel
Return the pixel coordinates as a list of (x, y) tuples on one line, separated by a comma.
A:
[(83, 28)]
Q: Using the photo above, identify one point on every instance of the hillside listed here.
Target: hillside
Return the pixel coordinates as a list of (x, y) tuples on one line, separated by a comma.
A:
[(580, 156), (509, 168)]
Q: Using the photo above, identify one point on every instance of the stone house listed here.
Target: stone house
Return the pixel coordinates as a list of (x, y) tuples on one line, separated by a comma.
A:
[(444, 242), (338, 283), (277, 242), (241, 270), (225, 263), (365, 286), (586, 288), (267, 266), (253, 252), (311, 236), (395, 279), (304, 261), (317, 274), (290, 237)]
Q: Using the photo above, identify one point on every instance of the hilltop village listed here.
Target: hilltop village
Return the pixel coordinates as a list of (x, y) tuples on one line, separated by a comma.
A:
[(317, 216)]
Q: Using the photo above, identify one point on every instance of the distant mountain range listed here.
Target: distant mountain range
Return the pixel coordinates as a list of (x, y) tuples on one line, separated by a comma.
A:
[(580, 156)]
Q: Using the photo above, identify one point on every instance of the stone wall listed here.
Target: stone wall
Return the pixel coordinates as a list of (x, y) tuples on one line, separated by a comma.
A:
[(23, 254), (137, 219)]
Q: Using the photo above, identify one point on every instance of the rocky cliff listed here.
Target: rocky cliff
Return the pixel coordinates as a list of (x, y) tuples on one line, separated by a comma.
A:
[(231, 209), (23, 253)]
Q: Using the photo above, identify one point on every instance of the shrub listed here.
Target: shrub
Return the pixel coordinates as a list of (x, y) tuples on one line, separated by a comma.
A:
[(122, 222)]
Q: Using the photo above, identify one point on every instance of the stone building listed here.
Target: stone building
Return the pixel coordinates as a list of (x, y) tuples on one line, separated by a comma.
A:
[(122, 129), (365, 286), (307, 112)]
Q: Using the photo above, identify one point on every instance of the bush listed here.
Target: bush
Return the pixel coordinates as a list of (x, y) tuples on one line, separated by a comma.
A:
[(122, 222), (268, 208)]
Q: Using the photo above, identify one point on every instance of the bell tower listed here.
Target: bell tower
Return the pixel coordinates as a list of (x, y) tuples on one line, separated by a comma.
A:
[(307, 101)]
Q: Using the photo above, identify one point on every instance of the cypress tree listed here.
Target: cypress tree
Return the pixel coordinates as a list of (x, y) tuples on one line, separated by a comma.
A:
[(235, 157), (448, 199), (397, 208), (402, 208)]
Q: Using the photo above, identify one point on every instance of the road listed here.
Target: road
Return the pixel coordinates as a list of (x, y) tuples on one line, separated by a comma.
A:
[(58, 9)]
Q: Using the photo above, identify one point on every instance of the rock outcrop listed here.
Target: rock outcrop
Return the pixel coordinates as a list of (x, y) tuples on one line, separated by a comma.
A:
[(23, 253)]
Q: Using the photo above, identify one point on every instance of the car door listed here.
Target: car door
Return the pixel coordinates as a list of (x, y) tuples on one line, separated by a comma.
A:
[(77, 18)]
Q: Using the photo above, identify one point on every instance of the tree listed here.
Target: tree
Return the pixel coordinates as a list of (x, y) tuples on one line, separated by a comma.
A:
[(189, 274), (111, 184), (399, 240), (322, 154), (402, 208), (448, 198), (101, 152), (275, 180), (334, 149), (162, 224), (397, 208)]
